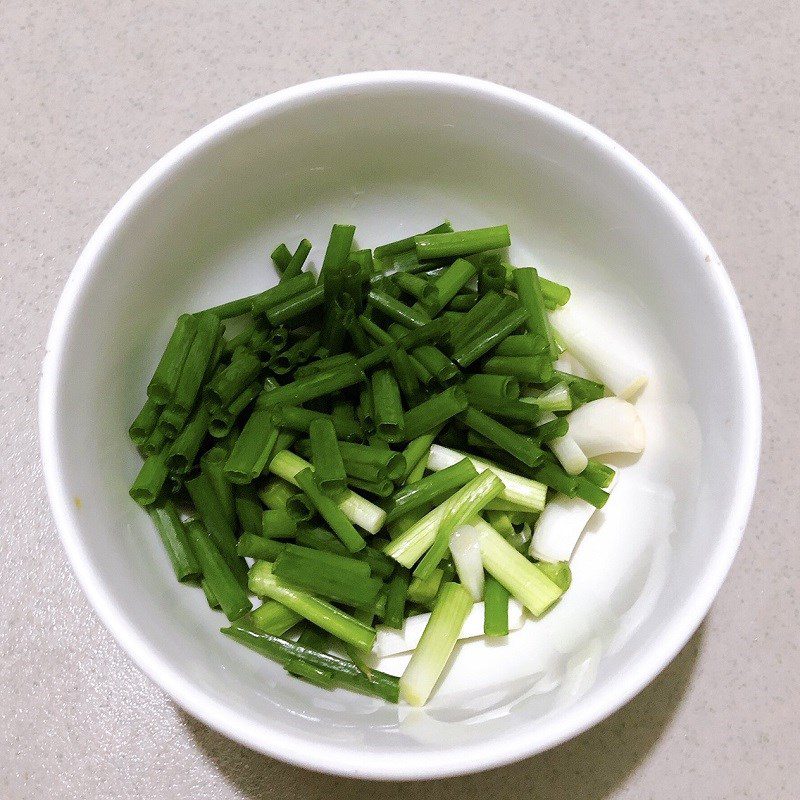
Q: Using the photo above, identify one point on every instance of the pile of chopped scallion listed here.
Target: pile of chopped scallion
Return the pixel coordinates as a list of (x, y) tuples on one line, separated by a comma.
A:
[(373, 452)]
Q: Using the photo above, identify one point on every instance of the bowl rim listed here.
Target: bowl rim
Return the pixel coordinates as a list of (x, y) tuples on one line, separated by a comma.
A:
[(347, 760)]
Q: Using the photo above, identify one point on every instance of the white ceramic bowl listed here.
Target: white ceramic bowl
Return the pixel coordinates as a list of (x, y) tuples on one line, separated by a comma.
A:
[(395, 152)]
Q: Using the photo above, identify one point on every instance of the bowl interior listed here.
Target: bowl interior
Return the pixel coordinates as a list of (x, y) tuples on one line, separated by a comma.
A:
[(394, 157)]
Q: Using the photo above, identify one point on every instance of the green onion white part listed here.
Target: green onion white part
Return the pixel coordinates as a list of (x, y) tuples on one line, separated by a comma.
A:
[(391, 642), (559, 527), (465, 549), (356, 508), (590, 347), (522, 579), (436, 644), (607, 425), (526, 494), (566, 449)]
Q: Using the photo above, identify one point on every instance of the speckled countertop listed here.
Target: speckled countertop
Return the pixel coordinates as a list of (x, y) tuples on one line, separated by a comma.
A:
[(92, 93)]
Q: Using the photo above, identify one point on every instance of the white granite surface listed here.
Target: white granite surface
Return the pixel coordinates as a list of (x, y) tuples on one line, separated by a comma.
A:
[(705, 93)]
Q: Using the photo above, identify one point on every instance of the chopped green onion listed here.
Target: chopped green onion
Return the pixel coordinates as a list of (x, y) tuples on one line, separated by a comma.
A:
[(436, 645)]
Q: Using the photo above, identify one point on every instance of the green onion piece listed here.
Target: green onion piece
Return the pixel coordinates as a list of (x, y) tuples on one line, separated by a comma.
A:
[(396, 310), (222, 419), (336, 254), (323, 540), (522, 579), (423, 591), (553, 429), (433, 489), (240, 340), (333, 562), (198, 359), (330, 512), (276, 524), (504, 387), (253, 448), (374, 331), (347, 674), (211, 599), (522, 344), (183, 451), (175, 540), (154, 443), (551, 474), (407, 371), (436, 330), (227, 384), (148, 483), (165, 379), (233, 308), (419, 288), (324, 678), (343, 626), (381, 487), (476, 317), (300, 509), (598, 473), (418, 472), (215, 520), (172, 421), (392, 249), (387, 405), (554, 294), (281, 256), (501, 522), (274, 618), (396, 599), (248, 509), (211, 465), (145, 422), (252, 546), (393, 463), (505, 409), (366, 411), (278, 295), (434, 412), (326, 456), (528, 369), (558, 572), (461, 243), (491, 274), (520, 447), (458, 510), (590, 492), (218, 575), (295, 265), (436, 645), (343, 416), (526, 283), (463, 302), (275, 492), (478, 346), (305, 389), (416, 450), (437, 363), (449, 283), (495, 608), (338, 587), (297, 305)]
